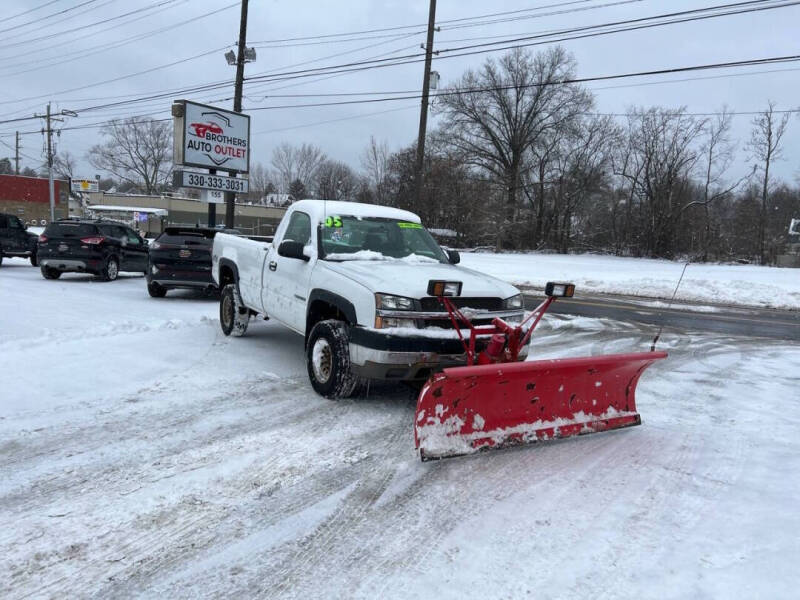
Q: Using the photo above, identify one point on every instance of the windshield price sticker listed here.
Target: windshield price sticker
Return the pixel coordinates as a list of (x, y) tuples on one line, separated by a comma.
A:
[(333, 221), (405, 225)]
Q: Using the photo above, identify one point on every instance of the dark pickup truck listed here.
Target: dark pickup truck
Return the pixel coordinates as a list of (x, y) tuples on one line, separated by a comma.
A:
[(15, 241)]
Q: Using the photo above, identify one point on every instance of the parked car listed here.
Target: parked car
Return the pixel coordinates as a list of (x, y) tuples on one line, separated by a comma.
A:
[(100, 247), (14, 240), (180, 258)]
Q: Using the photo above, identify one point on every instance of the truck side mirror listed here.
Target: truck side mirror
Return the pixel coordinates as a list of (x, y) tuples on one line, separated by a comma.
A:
[(453, 257), (292, 249)]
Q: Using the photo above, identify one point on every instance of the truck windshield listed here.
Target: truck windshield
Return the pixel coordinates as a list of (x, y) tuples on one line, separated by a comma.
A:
[(366, 238)]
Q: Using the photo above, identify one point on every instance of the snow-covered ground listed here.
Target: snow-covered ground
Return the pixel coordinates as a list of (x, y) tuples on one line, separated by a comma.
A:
[(744, 285), (142, 453)]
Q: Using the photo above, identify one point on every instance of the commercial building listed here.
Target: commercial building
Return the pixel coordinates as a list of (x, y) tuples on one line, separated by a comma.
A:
[(29, 198), (250, 219)]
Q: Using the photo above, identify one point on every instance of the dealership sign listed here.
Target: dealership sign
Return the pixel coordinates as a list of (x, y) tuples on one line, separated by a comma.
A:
[(84, 185), (210, 137)]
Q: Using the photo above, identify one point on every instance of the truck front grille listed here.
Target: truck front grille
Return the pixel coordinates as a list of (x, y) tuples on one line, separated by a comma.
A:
[(432, 304)]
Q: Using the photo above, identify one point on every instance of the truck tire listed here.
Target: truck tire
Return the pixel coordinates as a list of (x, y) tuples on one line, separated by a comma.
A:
[(234, 317), (110, 270), (34, 259), (50, 273), (328, 360)]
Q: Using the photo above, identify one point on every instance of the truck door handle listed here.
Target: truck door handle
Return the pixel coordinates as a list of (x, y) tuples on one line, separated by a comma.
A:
[(273, 265)]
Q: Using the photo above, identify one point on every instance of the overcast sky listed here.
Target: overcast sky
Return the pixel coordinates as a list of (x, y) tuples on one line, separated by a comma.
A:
[(66, 58)]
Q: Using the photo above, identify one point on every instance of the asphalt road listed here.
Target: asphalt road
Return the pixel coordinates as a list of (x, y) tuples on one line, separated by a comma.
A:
[(725, 320)]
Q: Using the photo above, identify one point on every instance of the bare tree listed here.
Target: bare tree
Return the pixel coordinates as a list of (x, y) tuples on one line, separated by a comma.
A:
[(582, 161), (64, 165), (259, 183), (497, 114), (375, 163), (296, 163), (765, 148), (138, 151), (663, 144), (336, 181), (718, 154)]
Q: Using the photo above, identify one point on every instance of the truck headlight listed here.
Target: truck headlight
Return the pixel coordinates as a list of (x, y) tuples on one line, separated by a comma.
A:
[(390, 302), (513, 302)]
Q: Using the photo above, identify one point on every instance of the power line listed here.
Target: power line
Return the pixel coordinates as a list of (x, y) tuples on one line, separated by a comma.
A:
[(39, 20), (83, 28), (414, 26), (77, 54), (327, 121), (737, 8), (470, 25), (270, 78), (85, 86), (649, 73), (30, 10)]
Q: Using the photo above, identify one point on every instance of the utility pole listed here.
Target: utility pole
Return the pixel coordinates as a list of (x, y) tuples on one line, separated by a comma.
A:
[(16, 156), (237, 103), (50, 166), (423, 112)]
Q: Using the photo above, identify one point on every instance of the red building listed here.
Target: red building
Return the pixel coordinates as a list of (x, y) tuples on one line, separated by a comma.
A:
[(29, 197)]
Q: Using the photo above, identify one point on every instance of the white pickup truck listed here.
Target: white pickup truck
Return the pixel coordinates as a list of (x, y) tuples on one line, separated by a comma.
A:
[(354, 279)]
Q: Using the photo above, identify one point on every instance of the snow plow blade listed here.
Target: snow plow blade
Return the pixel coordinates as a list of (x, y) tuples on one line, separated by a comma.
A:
[(467, 409)]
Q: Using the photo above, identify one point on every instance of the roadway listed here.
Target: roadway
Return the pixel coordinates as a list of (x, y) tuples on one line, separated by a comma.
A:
[(725, 320)]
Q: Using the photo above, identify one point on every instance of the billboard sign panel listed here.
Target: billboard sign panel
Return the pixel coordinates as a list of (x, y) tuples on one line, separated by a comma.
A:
[(211, 138), (84, 185)]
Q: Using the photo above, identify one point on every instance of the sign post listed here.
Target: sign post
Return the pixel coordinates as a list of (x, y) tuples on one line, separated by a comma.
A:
[(207, 137)]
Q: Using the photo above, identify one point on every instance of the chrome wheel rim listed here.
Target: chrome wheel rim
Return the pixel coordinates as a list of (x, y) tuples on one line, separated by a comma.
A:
[(227, 311), (112, 269), (322, 360)]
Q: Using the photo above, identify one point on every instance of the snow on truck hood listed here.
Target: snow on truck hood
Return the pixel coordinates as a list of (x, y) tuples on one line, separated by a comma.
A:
[(410, 278)]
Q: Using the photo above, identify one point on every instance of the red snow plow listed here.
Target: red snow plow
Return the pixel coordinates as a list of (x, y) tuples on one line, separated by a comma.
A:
[(497, 401)]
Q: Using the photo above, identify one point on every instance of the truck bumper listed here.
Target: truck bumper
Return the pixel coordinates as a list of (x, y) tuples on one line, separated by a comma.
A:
[(79, 266), (376, 355)]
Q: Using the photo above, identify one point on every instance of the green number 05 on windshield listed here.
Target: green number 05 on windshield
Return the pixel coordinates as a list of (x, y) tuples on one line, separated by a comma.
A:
[(333, 222)]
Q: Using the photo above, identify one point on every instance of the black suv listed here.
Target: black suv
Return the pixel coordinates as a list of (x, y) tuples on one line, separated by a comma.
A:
[(180, 258), (103, 248), (14, 240)]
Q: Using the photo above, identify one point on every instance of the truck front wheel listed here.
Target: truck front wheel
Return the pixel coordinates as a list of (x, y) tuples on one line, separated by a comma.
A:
[(233, 315), (328, 360)]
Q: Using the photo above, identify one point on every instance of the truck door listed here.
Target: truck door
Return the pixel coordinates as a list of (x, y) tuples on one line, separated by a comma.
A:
[(286, 279), (14, 237)]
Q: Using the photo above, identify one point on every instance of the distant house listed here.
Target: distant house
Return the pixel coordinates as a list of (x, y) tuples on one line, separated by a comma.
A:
[(278, 200)]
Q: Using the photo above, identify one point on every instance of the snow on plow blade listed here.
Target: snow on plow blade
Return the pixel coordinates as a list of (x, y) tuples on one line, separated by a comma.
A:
[(466, 409)]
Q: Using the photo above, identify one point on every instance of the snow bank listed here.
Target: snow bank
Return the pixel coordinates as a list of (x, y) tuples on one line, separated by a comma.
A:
[(744, 285), (372, 255)]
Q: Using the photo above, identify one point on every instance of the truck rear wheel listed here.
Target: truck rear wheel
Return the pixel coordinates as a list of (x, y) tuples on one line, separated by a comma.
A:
[(328, 360), (233, 315)]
